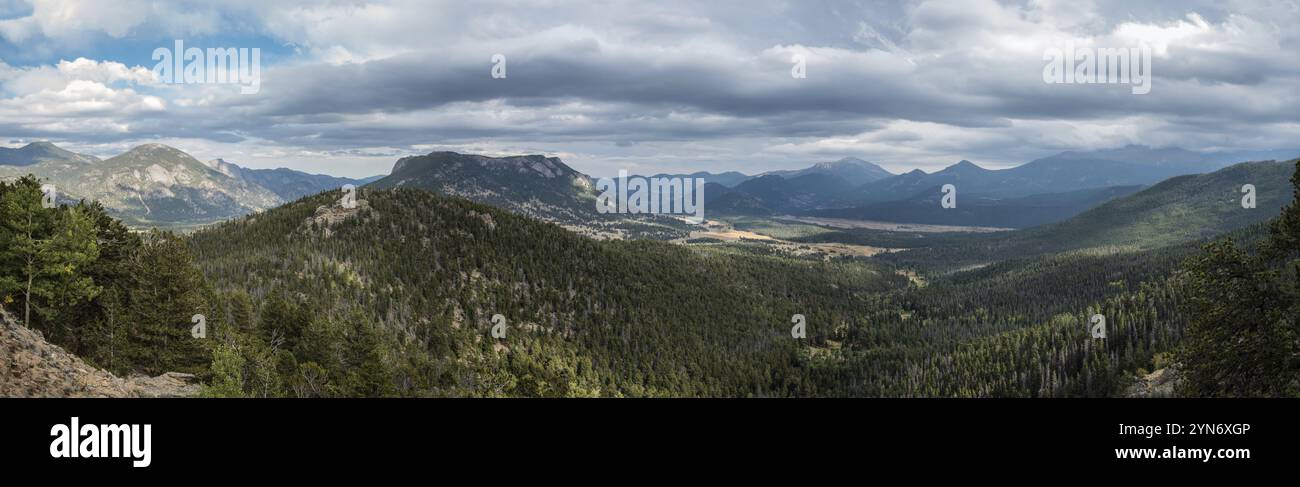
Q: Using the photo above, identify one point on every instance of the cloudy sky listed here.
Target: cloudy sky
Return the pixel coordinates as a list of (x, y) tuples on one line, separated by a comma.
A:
[(648, 85)]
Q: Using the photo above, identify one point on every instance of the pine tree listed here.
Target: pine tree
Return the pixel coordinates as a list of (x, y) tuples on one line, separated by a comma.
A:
[(167, 290), (45, 254), (227, 373), (1244, 337), (24, 242)]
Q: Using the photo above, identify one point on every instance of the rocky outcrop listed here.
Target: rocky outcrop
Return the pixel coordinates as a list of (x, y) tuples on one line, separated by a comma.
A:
[(1161, 383), (32, 367)]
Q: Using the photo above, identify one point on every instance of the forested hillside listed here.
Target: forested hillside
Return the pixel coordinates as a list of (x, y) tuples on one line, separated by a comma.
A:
[(402, 290), (397, 297), (408, 293), (123, 301), (1243, 300), (1180, 210)]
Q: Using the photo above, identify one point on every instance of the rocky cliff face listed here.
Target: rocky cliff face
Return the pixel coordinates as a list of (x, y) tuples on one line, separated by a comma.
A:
[(32, 367), (536, 186)]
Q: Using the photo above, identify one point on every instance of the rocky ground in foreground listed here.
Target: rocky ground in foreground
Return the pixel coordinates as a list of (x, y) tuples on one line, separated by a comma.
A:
[(32, 367)]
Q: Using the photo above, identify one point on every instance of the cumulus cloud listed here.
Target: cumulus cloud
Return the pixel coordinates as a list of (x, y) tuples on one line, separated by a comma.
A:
[(672, 83), (75, 20), (79, 99)]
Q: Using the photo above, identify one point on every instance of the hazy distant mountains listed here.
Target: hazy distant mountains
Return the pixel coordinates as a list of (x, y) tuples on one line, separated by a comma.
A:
[(288, 184), (791, 191), (1064, 172), (984, 211), (1061, 173), (851, 170), (158, 185), (1041, 191), (38, 152), (1178, 210), (726, 179)]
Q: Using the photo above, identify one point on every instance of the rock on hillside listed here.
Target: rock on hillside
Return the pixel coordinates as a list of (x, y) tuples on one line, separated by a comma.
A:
[(32, 367), (1161, 383)]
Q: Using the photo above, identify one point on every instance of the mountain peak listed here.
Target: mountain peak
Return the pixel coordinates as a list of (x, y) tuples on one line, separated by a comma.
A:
[(155, 154), (224, 167), (963, 166), (153, 147), (38, 152), (1139, 154), (41, 147), (847, 161), (533, 185), (851, 169)]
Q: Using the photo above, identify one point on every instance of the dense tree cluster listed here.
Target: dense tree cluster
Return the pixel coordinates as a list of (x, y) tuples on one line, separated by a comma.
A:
[(425, 274), (121, 300), (1244, 337)]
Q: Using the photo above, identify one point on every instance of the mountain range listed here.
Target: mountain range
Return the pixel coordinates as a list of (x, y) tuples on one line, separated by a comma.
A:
[(851, 170), (1041, 191), (1181, 210), (286, 183), (38, 152), (726, 179), (983, 211), (159, 185), (1067, 171)]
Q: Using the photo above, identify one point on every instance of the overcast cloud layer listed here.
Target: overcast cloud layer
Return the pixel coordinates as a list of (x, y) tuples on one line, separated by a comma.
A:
[(349, 86)]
